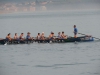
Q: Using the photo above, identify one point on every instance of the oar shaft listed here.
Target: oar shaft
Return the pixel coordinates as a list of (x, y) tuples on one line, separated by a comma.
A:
[(96, 38), (93, 37)]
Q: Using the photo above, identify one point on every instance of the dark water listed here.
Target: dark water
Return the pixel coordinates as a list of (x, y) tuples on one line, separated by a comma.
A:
[(55, 58)]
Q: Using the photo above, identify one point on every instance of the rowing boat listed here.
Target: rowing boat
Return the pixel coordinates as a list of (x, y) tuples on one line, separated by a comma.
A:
[(69, 39)]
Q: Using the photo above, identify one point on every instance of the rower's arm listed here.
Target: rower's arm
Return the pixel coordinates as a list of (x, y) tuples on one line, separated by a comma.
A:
[(49, 36)]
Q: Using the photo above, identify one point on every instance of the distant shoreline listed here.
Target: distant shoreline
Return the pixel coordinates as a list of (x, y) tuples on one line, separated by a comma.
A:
[(84, 10)]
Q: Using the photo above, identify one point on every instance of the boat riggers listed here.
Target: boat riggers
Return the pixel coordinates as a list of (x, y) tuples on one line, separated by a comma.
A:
[(89, 35), (56, 40)]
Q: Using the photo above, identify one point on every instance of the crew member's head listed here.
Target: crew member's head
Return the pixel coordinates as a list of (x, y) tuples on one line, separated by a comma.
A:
[(22, 34), (62, 32), (15, 34), (38, 33), (28, 33), (42, 33), (74, 26), (9, 34), (58, 32)]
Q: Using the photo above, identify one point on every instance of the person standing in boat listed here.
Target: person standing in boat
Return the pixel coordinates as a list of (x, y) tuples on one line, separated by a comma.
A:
[(38, 36), (21, 36), (75, 31), (28, 37), (16, 37), (63, 36), (8, 37)]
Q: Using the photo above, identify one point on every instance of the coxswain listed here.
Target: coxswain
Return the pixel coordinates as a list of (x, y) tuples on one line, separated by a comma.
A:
[(75, 31), (8, 37)]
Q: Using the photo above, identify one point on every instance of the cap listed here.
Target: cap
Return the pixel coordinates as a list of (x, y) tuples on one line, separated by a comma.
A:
[(51, 32), (43, 32)]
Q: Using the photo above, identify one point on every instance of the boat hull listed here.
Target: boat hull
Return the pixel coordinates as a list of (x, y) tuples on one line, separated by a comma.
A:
[(70, 39)]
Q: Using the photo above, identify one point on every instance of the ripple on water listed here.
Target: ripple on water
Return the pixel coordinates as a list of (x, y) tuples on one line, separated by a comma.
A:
[(60, 65), (22, 65), (13, 63)]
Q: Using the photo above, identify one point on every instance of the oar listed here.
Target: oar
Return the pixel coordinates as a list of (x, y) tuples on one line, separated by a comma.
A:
[(93, 37)]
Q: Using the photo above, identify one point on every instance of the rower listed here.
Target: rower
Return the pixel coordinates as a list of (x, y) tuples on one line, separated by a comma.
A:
[(75, 31), (42, 36), (59, 35), (8, 37), (16, 37), (38, 36), (51, 36), (21, 36), (63, 36), (28, 37)]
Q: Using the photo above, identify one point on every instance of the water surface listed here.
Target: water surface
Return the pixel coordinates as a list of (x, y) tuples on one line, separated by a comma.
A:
[(55, 58)]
